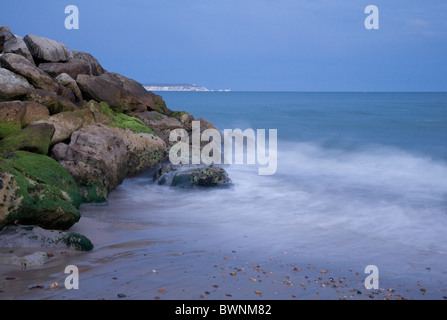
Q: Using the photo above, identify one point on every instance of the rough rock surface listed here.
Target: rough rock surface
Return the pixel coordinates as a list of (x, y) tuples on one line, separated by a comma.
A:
[(65, 123), (12, 86), (14, 115), (73, 68), (187, 177), (34, 138), (96, 68), (36, 190), (43, 49), (36, 237), (65, 80), (36, 77), (18, 46)]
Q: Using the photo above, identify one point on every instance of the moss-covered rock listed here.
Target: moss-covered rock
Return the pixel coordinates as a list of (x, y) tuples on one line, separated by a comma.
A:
[(65, 123), (36, 190), (11, 115), (34, 138), (78, 242)]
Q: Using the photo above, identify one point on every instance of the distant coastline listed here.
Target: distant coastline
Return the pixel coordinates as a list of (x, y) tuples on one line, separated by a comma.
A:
[(178, 87)]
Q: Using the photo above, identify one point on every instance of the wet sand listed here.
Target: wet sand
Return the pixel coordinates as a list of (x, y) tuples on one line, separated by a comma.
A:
[(195, 269), (177, 253)]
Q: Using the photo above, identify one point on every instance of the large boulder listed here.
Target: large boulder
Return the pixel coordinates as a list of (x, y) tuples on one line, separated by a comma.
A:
[(154, 119), (18, 46), (160, 123), (14, 115), (100, 156), (72, 67), (96, 158), (34, 138), (54, 102), (46, 50), (96, 68), (121, 93), (36, 190), (12, 86), (133, 89), (65, 123), (187, 177), (36, 77), (145, 150), (99, 89)]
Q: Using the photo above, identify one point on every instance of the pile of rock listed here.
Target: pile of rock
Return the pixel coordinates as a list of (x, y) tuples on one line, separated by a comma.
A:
[(70, 131)]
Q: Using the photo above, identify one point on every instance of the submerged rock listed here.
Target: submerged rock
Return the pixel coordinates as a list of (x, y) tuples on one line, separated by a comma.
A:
[(185, 177)]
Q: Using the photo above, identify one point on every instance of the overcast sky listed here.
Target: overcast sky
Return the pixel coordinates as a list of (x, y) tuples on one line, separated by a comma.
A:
[(290, 45)]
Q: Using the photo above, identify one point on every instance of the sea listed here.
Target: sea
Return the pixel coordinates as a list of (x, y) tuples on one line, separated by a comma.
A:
[(361, 181)]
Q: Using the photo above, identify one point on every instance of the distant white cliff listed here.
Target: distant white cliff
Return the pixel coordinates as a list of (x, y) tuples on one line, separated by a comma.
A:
[(177, 87)]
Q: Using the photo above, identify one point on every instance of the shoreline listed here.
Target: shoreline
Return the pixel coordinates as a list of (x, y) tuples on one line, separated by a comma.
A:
[(158, 260)]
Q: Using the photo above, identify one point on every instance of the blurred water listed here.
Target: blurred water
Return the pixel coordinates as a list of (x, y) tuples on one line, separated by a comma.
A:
[(361, 180)]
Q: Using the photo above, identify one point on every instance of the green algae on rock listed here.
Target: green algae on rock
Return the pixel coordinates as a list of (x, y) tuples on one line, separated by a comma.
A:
[(34, 138), (78, 242), (36, 190)]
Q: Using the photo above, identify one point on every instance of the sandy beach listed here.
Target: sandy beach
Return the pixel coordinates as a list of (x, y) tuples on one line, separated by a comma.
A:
[(178, 257)]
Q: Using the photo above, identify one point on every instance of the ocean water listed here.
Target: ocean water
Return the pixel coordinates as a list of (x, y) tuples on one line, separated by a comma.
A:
[(361, 180)]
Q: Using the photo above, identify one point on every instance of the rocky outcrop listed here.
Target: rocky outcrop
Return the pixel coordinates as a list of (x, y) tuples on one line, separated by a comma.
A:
[(43, 49), (37, 190), (121, 131)]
